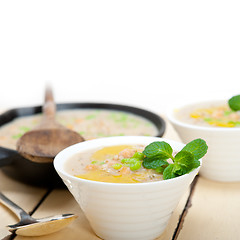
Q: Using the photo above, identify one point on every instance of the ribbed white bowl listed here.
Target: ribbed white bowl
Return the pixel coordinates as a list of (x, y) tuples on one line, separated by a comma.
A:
[(222, 161), (124, 211)]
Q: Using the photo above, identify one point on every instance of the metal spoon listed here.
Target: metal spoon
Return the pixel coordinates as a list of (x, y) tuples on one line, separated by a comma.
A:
[(44, 142), (29, 226)]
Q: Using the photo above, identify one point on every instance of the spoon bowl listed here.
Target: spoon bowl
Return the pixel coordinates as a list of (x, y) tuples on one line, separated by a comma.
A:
[(42, 226), (29, 226), (44, 142)]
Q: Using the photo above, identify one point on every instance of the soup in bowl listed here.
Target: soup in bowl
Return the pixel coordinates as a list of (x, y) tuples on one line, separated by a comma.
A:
[(121, 198), (219, 125)]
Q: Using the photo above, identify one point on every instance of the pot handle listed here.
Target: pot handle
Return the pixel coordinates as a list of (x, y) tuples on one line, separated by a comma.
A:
[(6, 156)]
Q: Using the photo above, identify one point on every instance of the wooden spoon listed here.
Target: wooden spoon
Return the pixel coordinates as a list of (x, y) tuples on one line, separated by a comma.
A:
[(44, 142)]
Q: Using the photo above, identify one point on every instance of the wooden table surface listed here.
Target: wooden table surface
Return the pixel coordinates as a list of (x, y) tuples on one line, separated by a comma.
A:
[(209, 210)]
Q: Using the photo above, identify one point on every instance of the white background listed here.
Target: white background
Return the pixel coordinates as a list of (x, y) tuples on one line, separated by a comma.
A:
[(150, 54)]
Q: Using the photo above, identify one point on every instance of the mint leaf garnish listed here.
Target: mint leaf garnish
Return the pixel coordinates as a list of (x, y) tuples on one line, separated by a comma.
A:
[(234, 103), (160, 149), (169, 172), (197, 147), (154, 163), (157, 154), (185, 159)]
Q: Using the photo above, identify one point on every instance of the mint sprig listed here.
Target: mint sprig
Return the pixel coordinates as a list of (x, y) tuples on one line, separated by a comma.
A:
[(234, 103), (157, 153)]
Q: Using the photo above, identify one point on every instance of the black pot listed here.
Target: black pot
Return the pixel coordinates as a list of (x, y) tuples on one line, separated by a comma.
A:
[(44, 174)]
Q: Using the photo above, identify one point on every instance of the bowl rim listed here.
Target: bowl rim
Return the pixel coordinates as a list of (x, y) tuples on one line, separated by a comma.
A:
[(108, 141), (171, 117)]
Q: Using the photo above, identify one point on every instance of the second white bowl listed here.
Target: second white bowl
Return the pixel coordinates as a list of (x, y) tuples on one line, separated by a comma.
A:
[(222, 161)]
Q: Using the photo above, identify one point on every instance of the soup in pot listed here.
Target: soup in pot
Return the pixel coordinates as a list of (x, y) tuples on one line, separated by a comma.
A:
[(90, 123)]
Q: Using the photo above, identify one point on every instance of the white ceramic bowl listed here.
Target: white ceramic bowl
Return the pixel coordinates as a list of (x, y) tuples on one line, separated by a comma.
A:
[(222, 161), (120, 211)]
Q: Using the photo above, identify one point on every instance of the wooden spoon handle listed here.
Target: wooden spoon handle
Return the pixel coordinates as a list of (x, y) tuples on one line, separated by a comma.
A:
[(49, 108)]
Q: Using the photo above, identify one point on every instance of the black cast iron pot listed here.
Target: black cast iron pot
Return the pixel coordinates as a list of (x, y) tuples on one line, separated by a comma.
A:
[(43, 174)]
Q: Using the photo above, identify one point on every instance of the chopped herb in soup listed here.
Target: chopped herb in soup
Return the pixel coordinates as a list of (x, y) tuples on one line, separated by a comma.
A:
[(136, 163), (90, 123)]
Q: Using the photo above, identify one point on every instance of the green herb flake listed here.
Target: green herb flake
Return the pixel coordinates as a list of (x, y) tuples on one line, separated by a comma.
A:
[(91, 116), (207, 119), (129, 160), (135, 165), (17, 136), (227, 112), (97, 162), (24, 129), (119, 117), (237, 124), (138, 155), (117, 166)]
